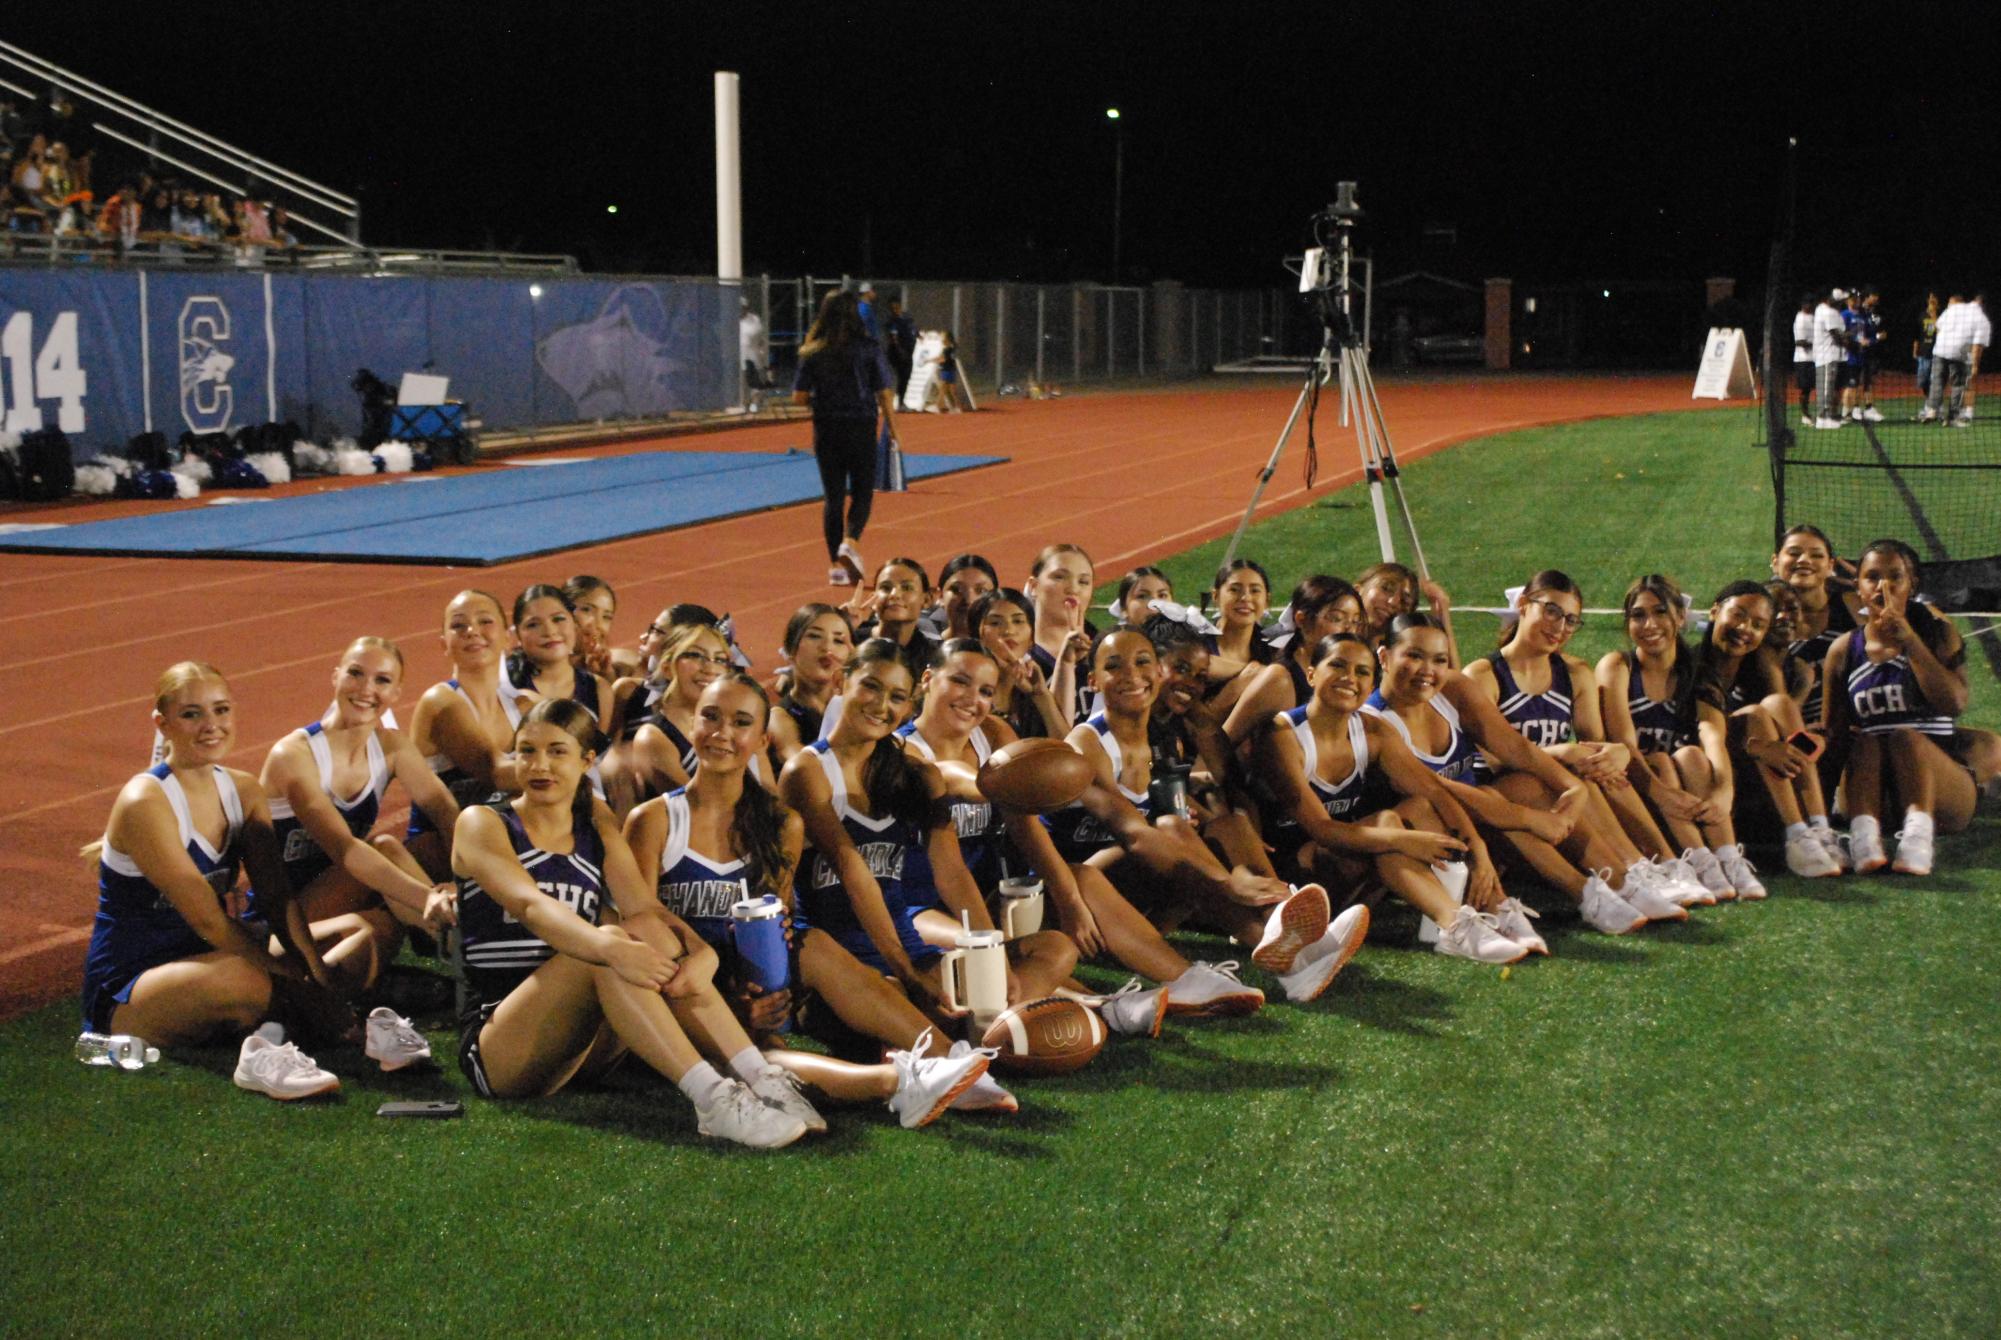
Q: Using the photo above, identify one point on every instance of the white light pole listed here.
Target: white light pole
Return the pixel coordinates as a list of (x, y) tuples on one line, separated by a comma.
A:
[(729, 181), (1118, 184)]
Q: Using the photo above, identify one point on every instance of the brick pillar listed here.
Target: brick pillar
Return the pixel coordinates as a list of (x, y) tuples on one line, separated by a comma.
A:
[(1500, 323), (1718, 289)]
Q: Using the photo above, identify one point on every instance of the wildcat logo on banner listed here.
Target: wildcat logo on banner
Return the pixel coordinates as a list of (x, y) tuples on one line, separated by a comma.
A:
[(207, 399)]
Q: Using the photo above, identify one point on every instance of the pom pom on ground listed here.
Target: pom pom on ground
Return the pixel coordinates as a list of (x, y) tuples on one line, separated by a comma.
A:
[(310, 458), (395, 457), (195, 468), (353, 461), (184, 487), (272, 466), (96, 480)]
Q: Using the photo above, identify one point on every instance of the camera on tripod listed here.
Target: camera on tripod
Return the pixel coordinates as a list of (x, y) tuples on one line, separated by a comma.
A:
[(1324, 269)]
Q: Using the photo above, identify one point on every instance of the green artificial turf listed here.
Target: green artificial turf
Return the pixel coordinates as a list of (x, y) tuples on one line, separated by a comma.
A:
[(1776, 1120)]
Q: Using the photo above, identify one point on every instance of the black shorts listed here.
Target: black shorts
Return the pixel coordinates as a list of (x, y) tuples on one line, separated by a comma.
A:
[(470, 1064), (1803, 376)]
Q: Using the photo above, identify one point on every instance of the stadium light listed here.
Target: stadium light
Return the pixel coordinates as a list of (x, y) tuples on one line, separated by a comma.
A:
[(611, 209), (1118, 187), (534, 290)]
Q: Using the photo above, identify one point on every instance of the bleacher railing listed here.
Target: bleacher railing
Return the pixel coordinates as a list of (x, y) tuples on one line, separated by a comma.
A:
[(312, 205)]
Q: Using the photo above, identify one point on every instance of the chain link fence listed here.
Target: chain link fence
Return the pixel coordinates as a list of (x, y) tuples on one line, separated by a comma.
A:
[(1050, 333)]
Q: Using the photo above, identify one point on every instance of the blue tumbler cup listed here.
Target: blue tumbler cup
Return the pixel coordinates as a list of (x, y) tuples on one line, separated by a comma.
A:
[(758, 927)]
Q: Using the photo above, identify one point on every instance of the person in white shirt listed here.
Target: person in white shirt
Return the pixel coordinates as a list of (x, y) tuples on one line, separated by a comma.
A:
[(1983, 335), (1830, 339), (1803, 357), (754, 348), (1955, 353)]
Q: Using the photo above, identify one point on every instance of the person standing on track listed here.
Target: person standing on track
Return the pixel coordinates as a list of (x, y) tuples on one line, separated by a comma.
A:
[(1830, 335), (846, 380)]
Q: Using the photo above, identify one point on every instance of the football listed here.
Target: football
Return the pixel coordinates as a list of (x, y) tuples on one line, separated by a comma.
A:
[(1045, 1037), (1035, 775)]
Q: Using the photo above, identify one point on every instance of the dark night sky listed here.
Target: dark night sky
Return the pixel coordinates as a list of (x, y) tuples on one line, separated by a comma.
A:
[(970, 141)]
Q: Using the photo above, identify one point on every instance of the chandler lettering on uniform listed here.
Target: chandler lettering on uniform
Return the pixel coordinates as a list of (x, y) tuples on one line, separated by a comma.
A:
[(884, 861), (698, 898)]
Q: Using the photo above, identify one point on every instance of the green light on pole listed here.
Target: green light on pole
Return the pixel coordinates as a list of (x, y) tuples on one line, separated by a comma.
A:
[(611, 209), (1111, 113)]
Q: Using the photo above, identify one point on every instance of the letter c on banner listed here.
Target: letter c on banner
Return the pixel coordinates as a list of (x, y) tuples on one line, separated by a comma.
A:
[(207, 398)]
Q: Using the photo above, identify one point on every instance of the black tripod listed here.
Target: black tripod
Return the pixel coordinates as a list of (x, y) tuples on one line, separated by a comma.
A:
[(1342, 355)]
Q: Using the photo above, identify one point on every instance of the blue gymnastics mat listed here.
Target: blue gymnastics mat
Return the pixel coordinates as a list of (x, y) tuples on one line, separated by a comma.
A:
[(489, 516)]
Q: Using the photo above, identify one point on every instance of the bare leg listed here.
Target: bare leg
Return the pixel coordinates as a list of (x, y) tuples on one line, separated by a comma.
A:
[(1698, 778), (1637, 822), (1042, 962), (1130, 937), (1862, 784), (865, 1000), (1757, 727), (1684, 834), (1409, 878), (842, 1081), (192, 999), (1930, 779), (542, 1032)]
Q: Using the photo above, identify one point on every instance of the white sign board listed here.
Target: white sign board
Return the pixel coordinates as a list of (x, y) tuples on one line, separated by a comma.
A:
[(1725, 373), (422, 388), (923, 369)]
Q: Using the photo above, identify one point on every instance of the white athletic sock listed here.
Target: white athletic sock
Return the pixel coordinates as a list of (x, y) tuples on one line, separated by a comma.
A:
[(1817, 821), (1917, 820), (272, 1032), (702, 1084), (749, 1064), (1864, 826), (1729, 851), (1794, 831)]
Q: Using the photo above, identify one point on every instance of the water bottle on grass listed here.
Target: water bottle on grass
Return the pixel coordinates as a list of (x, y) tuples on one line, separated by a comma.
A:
[(119, 1049)]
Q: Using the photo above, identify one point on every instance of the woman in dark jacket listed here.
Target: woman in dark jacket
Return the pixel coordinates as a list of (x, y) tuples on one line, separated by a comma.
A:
[(845, 378)]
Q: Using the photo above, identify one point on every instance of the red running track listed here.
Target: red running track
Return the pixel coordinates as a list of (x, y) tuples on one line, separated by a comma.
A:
[(1132, 477)]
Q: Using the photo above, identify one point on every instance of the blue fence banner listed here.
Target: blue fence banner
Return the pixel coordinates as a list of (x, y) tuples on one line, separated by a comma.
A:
[(107, 354)]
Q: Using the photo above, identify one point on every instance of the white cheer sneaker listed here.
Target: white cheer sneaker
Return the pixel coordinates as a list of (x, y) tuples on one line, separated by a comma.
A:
[(281, 1071), (778, 1088), (984, 1094), (1604, 910), (1511, 919), (1134, 1010), (1212, 989), (1294, 924), (927, 1085), (737, 1114), (1475, 935), (1806, 856), (392, 1041), (1320, 961)]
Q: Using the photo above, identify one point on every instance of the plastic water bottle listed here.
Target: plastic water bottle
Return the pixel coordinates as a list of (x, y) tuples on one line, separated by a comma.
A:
[(120, 1049)]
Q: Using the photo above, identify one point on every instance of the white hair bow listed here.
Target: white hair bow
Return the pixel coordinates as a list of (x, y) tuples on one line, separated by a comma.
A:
[(1184, 614)]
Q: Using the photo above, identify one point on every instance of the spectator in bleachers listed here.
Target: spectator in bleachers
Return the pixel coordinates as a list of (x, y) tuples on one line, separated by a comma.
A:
[(156, 216), (281, 227), (253, 225), (118, 221)]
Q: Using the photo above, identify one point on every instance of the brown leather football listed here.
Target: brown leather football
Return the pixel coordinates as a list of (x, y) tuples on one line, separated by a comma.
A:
[(1052, 1036), (1037, 775)]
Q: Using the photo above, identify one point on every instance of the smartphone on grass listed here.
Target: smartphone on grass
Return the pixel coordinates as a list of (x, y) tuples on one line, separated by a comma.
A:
[(446, 1107)]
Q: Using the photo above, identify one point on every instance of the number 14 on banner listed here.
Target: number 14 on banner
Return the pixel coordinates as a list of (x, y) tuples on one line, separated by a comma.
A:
[(56, 374)]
